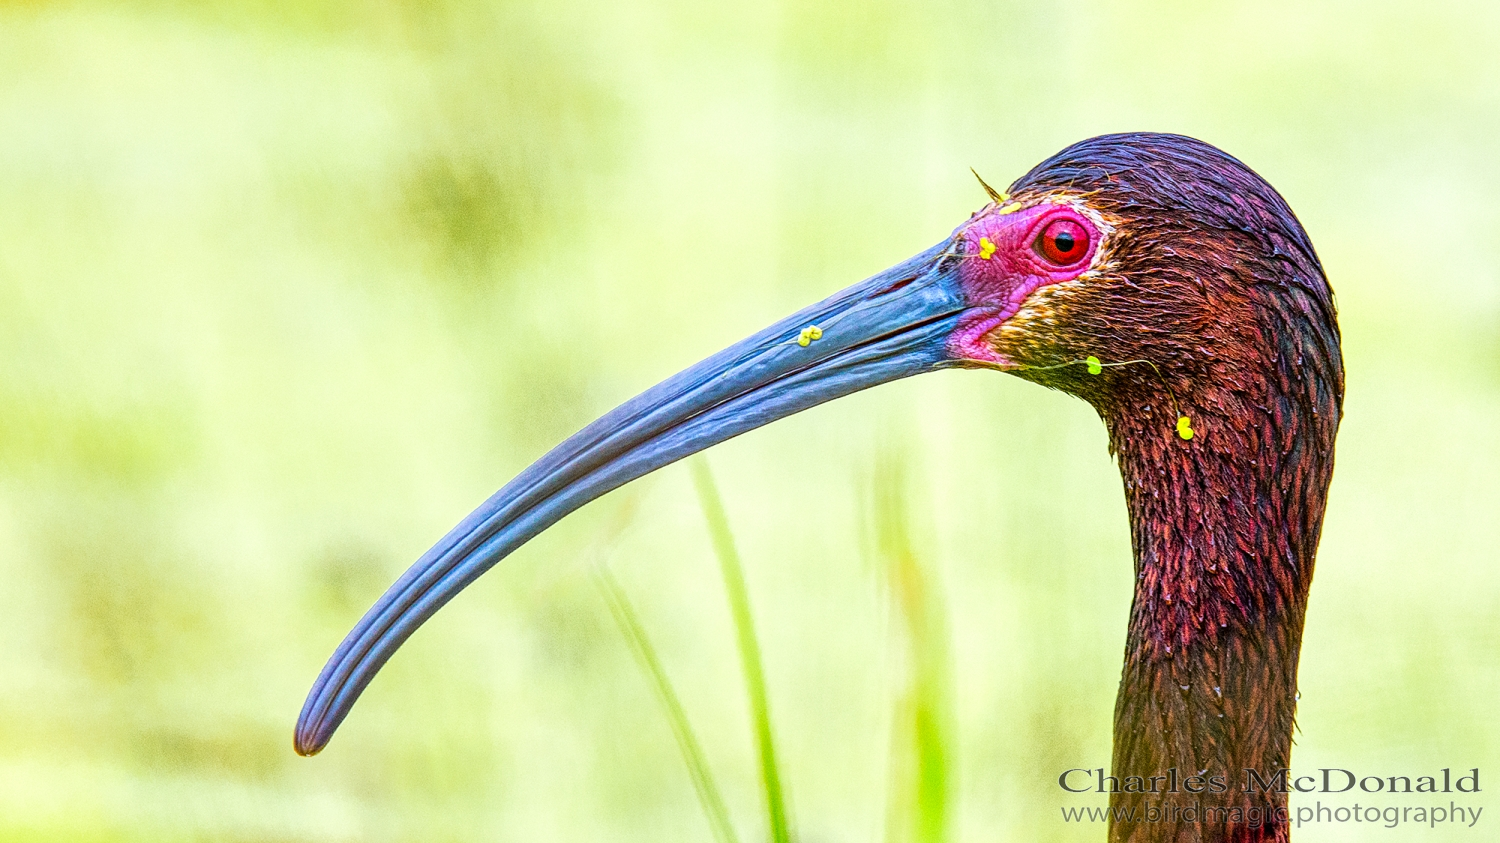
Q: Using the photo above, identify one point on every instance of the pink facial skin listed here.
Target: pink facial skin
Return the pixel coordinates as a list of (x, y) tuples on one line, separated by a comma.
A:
[(996, 286)]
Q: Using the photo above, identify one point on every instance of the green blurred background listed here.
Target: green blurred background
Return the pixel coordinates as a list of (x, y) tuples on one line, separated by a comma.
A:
[(287, 288)]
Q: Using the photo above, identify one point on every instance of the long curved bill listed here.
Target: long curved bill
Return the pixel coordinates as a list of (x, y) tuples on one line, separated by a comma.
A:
[(891, 326)]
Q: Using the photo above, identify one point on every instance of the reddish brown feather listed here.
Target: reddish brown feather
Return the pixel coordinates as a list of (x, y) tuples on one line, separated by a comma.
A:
[(1209, 275)]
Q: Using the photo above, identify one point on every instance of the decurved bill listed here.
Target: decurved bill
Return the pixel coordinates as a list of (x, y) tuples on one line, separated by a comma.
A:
[(891, 326)]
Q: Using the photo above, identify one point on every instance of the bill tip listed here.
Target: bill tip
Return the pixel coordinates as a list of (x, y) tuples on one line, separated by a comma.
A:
[(308, 745)]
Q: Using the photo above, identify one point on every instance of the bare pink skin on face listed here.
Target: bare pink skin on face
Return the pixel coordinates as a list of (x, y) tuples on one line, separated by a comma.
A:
[(1004, 265)]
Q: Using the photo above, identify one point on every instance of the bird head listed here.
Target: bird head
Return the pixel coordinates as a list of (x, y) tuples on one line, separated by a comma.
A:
[(1126, 269), (1154, 276)]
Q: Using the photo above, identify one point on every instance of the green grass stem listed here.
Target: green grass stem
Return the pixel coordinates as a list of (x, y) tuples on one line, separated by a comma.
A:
[(750, 661), (919, 787), (692, 752)]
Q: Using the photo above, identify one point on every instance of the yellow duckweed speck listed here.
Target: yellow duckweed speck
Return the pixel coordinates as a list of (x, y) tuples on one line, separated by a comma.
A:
[(986, 248), (1184, 427), (809, 335)]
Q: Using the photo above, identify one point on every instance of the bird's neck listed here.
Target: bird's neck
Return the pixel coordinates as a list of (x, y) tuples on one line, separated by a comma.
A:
[(1225, 528)]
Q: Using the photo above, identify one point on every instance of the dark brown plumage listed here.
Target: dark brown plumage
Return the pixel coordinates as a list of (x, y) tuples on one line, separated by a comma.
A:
[(1208, 275)]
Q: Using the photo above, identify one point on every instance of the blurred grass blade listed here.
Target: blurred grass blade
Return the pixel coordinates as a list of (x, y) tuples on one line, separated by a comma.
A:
[(920, 774), (692, 751), (755, 680)]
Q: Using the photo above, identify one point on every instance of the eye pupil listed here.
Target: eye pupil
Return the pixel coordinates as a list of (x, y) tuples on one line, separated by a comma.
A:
[(1064, 241)]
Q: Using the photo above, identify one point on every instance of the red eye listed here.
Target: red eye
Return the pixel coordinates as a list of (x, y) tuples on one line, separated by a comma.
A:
[(1063, 242)]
